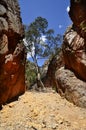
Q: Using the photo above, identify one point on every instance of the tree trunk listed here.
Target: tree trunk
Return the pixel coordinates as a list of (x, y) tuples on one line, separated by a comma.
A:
[(38, 74), (39, 81)]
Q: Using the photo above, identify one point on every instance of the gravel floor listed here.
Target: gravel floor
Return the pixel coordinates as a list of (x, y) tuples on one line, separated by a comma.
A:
[(42, 111)]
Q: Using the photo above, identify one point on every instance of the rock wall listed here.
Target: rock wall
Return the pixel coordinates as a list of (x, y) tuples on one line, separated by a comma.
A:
[(71, 79), (74, 52), (78, 16), (12, 52), (55, 63)]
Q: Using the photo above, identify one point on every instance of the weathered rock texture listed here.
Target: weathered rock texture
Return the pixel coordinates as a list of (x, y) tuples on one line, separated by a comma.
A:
[(74, 52), (55, 63), (12, 58), (73, 85), (74, 47)]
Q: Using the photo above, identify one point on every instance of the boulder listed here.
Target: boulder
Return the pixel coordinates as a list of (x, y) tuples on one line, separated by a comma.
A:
[(74, 53), (12, 52), (70, 87), (74, 44)]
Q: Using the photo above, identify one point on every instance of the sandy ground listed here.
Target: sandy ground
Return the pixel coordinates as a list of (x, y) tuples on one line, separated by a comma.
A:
[(42, 111)]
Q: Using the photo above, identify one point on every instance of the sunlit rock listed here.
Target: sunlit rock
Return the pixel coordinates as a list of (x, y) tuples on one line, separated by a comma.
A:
[(12, 52), (71, 80)]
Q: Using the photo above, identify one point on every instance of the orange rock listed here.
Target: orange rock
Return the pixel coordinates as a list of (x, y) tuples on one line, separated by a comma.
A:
[(12, 53)]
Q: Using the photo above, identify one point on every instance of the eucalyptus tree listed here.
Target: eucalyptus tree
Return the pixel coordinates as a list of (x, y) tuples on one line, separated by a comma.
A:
[(37, 47)]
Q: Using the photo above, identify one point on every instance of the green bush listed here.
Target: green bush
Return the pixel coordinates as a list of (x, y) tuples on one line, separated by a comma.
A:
[(30, 74)]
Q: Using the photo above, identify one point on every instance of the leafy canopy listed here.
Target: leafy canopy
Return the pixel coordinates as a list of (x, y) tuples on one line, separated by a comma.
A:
[(37, 47), (41, 43)]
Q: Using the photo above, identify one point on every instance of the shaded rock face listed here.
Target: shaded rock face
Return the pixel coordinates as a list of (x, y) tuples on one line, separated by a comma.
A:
[(71, 80), (78, 16), (12, 52), (55, 63)]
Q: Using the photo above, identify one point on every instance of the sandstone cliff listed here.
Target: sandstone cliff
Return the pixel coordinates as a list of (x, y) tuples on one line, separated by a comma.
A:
[(71, 79), (69, 76), (12, 55), (55, 63)]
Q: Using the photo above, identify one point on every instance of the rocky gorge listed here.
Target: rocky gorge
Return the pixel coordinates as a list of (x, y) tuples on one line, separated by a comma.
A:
[(66, 73), (68, 70), (72, 78)]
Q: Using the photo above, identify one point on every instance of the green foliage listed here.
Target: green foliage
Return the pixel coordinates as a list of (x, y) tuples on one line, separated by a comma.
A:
[(54, 43), (37, 47), (34, 32), (30, 73)]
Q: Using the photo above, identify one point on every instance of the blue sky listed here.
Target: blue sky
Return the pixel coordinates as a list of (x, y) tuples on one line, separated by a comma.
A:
[(55, 11)]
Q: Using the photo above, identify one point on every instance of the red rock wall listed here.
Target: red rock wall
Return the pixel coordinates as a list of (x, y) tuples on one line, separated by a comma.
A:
[(12, 52), (78, 16), (74, 46), (71, 79)]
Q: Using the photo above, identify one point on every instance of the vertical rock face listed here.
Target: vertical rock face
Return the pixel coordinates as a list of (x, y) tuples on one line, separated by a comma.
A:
[(74, 47), (12, 52), (55, 64), (74, 52), (72, 78), (78, 16)]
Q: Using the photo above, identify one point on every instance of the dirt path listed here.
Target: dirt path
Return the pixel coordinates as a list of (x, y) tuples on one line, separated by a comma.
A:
[(42, 111)]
